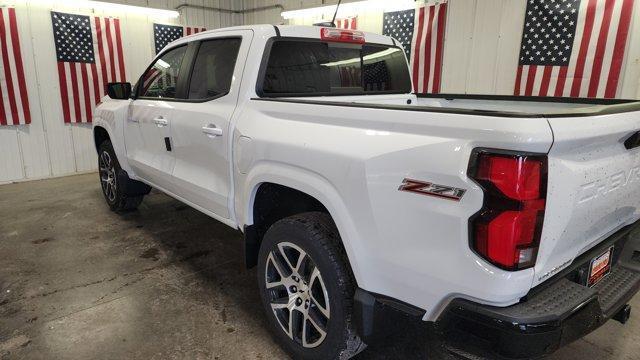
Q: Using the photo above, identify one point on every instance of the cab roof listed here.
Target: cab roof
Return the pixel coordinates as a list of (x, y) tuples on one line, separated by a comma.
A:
[(268, 31)]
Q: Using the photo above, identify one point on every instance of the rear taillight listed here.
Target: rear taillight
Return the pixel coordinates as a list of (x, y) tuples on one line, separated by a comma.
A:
[(341, 35), (506, 231)]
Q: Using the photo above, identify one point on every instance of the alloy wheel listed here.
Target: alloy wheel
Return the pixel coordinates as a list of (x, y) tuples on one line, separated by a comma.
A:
[(108, 176), (297, 294)]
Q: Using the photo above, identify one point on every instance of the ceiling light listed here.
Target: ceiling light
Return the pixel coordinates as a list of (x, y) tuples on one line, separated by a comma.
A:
[(351, 9), (111, 7)]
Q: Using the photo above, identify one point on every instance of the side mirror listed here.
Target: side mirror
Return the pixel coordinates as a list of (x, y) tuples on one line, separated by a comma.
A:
[(119, 91)]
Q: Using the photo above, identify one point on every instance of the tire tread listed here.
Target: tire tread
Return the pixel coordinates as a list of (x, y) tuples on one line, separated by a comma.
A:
[(123, 203), (322, 230)]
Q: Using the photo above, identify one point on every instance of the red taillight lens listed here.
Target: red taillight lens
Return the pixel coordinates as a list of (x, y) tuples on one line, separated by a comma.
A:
[(341, 35), (507, 230), (517, 177)]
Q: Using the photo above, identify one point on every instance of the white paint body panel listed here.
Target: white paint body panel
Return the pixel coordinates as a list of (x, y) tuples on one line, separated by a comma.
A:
[(352, 159), (594, 187)]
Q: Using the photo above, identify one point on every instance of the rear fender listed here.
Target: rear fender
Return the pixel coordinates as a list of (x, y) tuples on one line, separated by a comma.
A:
[(312, 184)]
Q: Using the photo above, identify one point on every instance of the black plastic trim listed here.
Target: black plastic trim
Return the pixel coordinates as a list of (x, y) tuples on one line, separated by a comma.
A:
[(591, 101), (425, 109), (251, 246), (277, 29), (367, 304), (632, 141), (612, 109), (132, 188)]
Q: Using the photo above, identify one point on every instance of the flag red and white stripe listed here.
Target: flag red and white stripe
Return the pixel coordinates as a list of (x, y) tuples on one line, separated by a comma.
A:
[(189, 30), (350, 23), (82, 85), (427, 47), (596, 60), (14, 100)]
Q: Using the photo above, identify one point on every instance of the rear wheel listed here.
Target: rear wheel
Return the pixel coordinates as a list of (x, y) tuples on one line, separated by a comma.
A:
[(307, 288), (114, 181)]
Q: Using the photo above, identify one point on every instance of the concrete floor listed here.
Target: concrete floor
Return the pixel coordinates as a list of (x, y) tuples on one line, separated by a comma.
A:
[(165, 282)]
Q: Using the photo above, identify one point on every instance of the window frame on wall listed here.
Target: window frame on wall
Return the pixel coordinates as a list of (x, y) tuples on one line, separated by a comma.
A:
[(265, 64)]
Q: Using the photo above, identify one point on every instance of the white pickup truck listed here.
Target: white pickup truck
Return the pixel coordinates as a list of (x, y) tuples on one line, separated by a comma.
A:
[(507, 222)]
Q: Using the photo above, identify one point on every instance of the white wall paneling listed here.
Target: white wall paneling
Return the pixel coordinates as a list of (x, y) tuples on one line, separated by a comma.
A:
[(481, 53), (48, 147)]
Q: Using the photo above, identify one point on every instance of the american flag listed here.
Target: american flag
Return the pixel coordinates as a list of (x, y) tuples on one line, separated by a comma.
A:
[(421, 33), (573, 48), (350, 23), (89, 53), (350, 76), (376, 76), (14, 100), (164, 34)]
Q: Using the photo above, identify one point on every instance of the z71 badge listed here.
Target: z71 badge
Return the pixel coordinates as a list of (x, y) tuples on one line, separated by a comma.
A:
[(431, 189)]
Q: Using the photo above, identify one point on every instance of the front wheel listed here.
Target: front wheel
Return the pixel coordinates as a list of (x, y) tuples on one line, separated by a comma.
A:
[(114, 182), (307, 288)]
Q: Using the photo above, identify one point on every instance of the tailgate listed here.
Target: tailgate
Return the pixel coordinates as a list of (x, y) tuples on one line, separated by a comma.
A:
[(593, 186)]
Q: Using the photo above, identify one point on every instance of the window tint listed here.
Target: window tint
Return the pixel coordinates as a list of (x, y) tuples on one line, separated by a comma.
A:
[(213, 69), (161, 80), (318, 68)]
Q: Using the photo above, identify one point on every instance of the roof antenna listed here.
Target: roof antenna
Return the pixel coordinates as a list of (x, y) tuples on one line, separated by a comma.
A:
[(333, 21)]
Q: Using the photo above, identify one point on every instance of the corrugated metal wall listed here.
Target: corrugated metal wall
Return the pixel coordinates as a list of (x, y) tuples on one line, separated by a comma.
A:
[(481, 50), (48, 147), (482, 42)]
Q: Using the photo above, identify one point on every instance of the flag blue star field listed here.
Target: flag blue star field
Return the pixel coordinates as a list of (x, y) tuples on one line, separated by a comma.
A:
[(165, 34), (573, 48), (89, 54), (399, 25), (73, 38), (421, 33)]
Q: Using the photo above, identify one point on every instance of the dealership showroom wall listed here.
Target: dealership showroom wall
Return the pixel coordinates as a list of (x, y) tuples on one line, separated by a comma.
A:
[(172, 278)]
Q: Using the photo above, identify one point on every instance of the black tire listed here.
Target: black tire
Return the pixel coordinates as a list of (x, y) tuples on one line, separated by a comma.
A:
[(114, 181), (316, 235)]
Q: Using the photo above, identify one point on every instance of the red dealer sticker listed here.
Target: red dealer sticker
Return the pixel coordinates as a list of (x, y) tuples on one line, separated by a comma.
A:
[(600, 267)]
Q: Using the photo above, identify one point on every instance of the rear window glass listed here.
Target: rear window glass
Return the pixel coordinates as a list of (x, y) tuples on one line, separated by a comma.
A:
[(319, 68)]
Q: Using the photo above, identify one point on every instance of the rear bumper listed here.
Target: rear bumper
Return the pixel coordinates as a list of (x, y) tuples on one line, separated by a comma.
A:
[(554, 314)]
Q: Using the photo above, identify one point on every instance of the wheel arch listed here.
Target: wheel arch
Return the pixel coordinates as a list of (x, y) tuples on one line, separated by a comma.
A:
[(100, 135), (317, 191), (105, 128)]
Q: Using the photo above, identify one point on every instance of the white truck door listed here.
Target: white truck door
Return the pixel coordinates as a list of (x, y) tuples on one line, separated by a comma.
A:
[(201, 128), (148, 132)]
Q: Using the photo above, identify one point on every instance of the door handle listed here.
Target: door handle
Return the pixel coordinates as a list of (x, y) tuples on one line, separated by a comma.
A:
[(132, 119), (212, 131), (160, 121)]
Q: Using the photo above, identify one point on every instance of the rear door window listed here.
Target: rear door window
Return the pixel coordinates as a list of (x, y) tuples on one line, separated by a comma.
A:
[(213, 69), (308, 68)]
